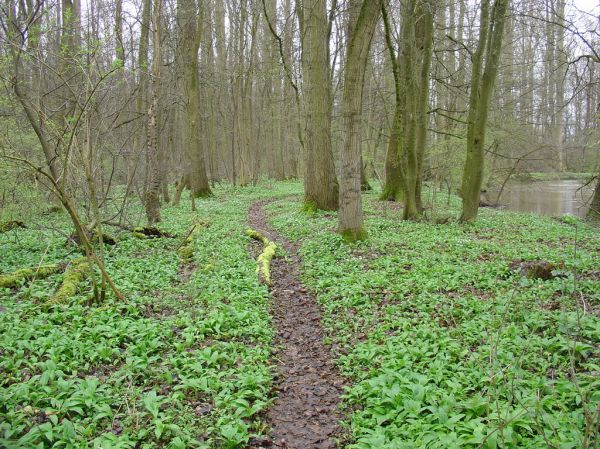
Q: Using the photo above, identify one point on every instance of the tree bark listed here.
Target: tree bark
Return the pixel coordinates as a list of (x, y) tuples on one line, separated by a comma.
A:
[(320, 184), (350, 212), (482, 86), (151, 197), (409, 133), (190, 25), (594, 212)]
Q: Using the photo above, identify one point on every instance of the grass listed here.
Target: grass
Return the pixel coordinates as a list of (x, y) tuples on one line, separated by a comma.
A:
[(444, 345)]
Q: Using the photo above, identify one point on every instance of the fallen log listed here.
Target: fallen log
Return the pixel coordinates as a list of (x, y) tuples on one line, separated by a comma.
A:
[(6, 226), (77, 271), (93, 237), (185, 248), (16, 278), (263, 262), (149, 232), (537, 269)]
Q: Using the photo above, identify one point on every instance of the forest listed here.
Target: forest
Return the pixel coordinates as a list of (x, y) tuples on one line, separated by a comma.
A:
[(299, 224)]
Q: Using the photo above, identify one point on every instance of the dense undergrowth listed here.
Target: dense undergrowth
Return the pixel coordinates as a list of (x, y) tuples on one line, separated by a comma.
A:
[(446, 343), (182, 363)]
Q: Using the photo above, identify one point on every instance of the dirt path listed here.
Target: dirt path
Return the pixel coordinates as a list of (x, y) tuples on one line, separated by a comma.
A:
[(305, 414)]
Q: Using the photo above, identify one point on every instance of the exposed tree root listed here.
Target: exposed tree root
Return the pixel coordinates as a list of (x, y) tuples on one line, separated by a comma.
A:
[(263, 262), (15, 278), (78, 270)]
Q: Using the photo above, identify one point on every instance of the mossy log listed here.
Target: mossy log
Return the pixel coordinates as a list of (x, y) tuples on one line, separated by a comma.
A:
[(6, 226), (78, 270), (93, 237), (263, 262), (537, 269), (149, 232), (53, 210), (15, 278), (186, 249)]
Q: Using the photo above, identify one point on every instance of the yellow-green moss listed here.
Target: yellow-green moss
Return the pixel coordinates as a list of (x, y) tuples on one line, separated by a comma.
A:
[(354, 235), (75, 274), (255, 235), (309, 206), (15, 278), (185, 253), (186, 250), (149, 232), (263, 262)]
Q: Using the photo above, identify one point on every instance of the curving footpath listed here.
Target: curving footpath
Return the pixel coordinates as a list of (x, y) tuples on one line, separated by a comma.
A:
[(305, 414)]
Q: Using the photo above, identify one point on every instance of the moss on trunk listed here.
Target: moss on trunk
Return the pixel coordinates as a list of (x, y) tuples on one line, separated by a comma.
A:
[(354, 235)]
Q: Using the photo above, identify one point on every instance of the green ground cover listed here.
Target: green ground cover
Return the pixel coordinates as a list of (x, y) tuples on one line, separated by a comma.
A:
[(181, 364), (446, 345)]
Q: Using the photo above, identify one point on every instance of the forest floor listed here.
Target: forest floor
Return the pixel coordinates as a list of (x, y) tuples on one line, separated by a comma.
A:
[(305, 414), (429, 334)]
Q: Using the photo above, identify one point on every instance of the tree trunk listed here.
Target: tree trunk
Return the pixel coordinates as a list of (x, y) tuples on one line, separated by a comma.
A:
[(320, 183), (350, 213), (411, 74), (490, 44), (191, 32), (151, 197), (392, 189), (425, 49), (119, 47), (594, 212)]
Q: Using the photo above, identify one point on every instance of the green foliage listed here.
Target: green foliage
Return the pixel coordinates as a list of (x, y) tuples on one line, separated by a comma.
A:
[(178, 365), (444, 345)]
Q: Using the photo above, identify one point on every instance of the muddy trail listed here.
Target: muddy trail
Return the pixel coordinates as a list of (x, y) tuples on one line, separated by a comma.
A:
[(308, 386)]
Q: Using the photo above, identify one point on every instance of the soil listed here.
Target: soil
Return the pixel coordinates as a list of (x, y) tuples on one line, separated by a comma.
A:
[(305, 414)]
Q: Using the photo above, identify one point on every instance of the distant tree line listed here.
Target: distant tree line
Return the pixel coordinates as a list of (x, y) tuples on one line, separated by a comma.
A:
[(148, 95)]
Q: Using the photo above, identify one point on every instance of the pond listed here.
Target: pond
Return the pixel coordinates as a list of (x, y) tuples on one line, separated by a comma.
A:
[(546, 197)]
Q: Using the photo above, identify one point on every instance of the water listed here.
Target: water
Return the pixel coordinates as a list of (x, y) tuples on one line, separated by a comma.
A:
[(546, 197)]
